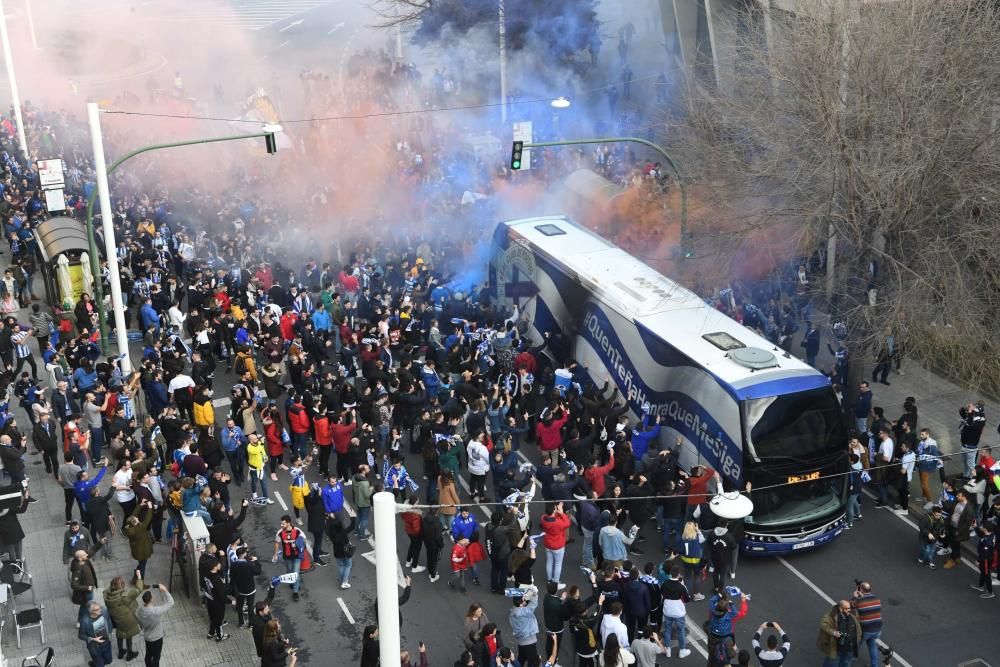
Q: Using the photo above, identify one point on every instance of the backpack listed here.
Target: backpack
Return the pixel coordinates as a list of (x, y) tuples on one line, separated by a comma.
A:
[(720, 653), (240, 367), (590, 639)]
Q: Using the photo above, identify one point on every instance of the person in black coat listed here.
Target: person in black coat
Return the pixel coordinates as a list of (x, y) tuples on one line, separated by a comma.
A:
[(99, 512), (370, 647), (242, 576), (259, 618), (46, 439), (433, 538), (225, 525), (11, 533), (316, 521)]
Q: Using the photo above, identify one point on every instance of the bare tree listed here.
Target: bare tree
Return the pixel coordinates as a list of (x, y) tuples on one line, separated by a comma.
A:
[(404, 13), (867, 133)]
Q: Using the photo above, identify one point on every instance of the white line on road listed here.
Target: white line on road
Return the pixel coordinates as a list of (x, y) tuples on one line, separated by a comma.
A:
[(829, 600), (281, 501), (222, 402), (465, 485), (335, 28), (343, 607), (291, 25)]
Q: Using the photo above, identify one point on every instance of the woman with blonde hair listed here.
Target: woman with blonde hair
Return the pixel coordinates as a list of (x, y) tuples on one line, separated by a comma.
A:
[(691, 551)]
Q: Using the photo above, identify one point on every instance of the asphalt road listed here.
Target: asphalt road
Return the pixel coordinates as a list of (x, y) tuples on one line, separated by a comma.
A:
[(932, 618)]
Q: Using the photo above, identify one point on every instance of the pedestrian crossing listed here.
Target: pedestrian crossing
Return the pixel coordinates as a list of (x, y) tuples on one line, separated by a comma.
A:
[(242, 14)]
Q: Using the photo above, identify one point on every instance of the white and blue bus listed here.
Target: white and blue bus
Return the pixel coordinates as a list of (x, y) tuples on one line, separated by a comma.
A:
[(739, 404)]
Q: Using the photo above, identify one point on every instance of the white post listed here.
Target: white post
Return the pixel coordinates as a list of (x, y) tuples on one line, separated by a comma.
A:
[(14, 96), (386, 577), (107, 223), (503, 61), (31, 24)]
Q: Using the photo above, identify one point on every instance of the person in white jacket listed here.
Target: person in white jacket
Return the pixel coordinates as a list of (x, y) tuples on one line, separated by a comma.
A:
[(479, 466)]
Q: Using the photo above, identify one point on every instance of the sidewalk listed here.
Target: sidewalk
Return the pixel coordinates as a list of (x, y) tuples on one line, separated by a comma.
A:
[(938, 402), (185, 625)]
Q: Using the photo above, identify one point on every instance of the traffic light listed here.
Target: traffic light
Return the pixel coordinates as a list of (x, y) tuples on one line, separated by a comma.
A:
[(271, 143), (515, 155)]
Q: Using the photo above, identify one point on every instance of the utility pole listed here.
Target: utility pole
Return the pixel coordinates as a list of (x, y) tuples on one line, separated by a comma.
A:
[(31, 24), (386, 585), (110, 245), (503, 61), (15, 98)]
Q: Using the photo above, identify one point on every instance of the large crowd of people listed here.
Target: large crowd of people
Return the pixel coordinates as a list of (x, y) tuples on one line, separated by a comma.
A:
[(326, 372)]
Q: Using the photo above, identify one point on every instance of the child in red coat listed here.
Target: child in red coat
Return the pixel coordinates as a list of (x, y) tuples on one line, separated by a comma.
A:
[(459, 564)]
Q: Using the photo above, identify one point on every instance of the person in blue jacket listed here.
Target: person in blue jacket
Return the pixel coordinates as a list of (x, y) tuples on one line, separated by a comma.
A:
[(465, 526), (645, 433), (149, 316), (333, 495), (321, 319), (83, 485)]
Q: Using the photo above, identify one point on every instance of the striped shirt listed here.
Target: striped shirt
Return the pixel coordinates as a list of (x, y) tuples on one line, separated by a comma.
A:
[(768, 657), (20, 348), (869, 612)]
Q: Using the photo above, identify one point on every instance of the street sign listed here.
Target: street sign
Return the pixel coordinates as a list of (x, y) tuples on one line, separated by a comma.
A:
[(522, 132), (50, 174), (55, 201)]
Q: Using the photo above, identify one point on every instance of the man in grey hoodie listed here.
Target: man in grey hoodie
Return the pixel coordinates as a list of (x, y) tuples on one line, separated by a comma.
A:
[(150, 617), (524, 626)]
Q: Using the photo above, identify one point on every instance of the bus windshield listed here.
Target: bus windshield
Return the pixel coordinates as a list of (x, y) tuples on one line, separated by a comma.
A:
[(799, 441), (798, 426)]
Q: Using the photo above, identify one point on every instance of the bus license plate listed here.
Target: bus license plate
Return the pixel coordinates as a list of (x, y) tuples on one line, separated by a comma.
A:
[(804, 545)]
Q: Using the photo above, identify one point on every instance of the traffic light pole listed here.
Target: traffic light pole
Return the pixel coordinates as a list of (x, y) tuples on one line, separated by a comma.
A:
[(110, 244), (648, 144)]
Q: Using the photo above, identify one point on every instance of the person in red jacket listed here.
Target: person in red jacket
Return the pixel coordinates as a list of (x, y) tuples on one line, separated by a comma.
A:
[(555, 523), (459, 564), (324, 440), (549, 430), (594, 474), (287, 325), (341, 433), (700, 478), (275, 444), (412, 525), (298, 424)]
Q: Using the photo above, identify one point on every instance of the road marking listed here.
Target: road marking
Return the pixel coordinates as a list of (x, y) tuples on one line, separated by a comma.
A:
[(905, 519), (400, 575), (222, 402), (281, 501), (695, 629), (343, 608), (335, 28), (829, 600), (465, 485), (291, 25)]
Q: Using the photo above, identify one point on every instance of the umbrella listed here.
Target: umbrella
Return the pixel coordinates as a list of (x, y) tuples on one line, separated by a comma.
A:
[(64, 279), (88, 277)]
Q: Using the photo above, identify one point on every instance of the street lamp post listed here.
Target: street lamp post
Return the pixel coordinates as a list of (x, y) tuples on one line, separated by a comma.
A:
[(685, 251), (386, 564), (502, 27), (110, 244), (14, 96)]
